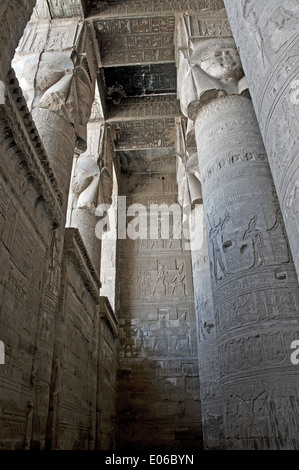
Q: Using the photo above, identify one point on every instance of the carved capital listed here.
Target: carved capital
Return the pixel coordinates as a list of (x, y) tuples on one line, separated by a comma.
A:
[(85, 183), (208, 68), (63, 84)]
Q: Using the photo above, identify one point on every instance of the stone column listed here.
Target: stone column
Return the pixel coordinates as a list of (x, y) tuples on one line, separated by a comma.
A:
[(208, 356), (91, 186), (190, 198), (266, 34), (255, 290), (254, 283)]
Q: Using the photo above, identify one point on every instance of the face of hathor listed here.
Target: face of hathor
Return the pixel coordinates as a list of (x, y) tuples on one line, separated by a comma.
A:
[(223, 64)]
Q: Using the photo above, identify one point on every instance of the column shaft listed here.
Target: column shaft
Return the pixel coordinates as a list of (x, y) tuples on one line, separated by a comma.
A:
[(208, 357), (255, 289), (266, 34)]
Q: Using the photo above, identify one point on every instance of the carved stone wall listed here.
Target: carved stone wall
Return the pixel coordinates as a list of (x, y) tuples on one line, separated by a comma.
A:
[(30, 211), (74, 384), (12, 26), (106, 374), (158, 400), (267, 36)]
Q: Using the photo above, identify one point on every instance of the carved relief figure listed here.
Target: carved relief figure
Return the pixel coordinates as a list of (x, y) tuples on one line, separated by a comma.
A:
[(206, 65), (162, 339), (216, 239), (159, 282), (258, 245), (54, 268), (178, 280), (278, 228), (182, 340)]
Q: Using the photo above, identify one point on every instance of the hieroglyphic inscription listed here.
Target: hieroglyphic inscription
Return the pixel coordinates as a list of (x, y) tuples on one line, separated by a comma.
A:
[(209, 27), (166, 106), (131, 41), (146, 134), (119, 7)]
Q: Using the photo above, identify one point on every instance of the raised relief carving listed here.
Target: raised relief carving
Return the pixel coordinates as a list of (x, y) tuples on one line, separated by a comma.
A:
[(255, 235), (216, 239), (178, 280), (271, 29), (159, 282), (65, 8), (164, 334)]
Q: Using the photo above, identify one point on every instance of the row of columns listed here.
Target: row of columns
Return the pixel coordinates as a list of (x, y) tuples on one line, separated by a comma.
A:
[(254, 286)]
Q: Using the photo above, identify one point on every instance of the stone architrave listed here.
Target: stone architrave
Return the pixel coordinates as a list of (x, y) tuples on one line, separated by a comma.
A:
[(266, 34), (254, 284)]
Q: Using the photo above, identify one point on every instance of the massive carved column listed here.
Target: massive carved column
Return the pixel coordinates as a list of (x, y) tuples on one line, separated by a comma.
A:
[(190, 198), (254, 284), (266, 34), (208, 354)]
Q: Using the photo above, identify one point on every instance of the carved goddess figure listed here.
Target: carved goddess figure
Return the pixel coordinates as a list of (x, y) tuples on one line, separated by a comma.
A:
[(208, 68)]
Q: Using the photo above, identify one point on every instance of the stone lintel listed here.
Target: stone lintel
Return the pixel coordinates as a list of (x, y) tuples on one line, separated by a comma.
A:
[(128, 8)]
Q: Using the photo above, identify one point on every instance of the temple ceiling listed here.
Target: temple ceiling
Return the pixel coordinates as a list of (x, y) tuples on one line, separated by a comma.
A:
[(135, 42)]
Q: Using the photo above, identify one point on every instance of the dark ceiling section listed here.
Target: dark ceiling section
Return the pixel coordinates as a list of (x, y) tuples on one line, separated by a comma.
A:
[(140, 80)]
